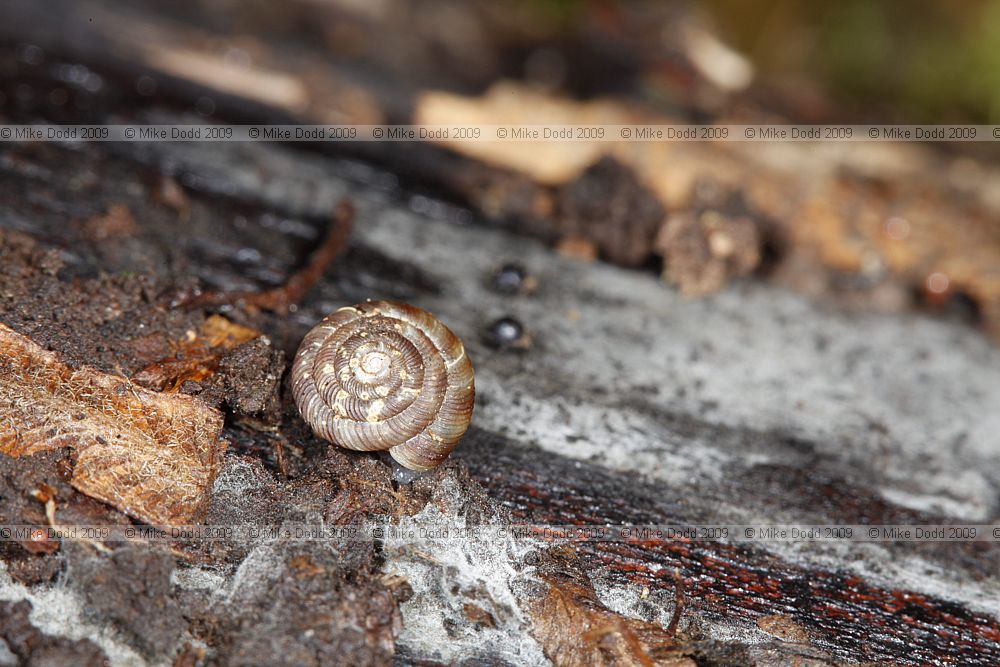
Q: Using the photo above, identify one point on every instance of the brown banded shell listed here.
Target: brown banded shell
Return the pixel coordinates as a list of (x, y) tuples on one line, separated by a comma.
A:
[(383, 375)]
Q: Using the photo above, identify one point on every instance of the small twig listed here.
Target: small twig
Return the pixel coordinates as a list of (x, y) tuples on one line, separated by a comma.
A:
[(50, 511), (400, 498), (295, 288), (279, 455), (675, 619), (46, 496)]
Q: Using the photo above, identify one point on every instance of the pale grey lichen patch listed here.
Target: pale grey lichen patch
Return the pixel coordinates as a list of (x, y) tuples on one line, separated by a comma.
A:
[(640, 443), (964, 495), (256, 570), (883, 568), (205, 581), (237, 476), (446, 573), (59, 612)]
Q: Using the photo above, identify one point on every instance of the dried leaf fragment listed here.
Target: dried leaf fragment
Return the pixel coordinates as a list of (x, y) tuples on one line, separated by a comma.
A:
[(574, 628), (153, 456), (196, 357), (783, 627), (549, 163)]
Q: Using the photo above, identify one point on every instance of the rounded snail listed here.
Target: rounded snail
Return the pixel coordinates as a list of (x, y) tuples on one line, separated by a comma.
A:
[(383, 375)]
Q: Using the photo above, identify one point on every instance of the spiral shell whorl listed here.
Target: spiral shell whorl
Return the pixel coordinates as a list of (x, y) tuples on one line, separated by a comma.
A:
[(384, 375)]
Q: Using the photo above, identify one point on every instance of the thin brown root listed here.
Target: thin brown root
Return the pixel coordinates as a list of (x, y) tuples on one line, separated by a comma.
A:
[(50, 516), (280, 299), (675, 618), (279, 455)]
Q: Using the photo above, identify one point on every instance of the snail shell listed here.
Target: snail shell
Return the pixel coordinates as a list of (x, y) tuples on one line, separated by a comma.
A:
[(384, 375)]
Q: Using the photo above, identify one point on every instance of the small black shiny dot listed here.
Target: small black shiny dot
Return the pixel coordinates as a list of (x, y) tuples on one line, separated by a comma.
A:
[(509, 278), (504, 333)]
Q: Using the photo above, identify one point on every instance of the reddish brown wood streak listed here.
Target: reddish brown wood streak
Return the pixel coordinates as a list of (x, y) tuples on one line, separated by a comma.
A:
[(844, 615), (850, 616)]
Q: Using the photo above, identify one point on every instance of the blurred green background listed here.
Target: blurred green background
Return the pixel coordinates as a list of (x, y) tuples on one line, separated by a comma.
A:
[(929, 60)]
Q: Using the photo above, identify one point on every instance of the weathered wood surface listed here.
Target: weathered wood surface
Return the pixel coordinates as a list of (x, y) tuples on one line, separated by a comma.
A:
[(633, 405), (845, 614)]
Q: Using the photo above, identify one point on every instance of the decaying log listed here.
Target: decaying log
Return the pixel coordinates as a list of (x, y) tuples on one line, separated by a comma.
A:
[(632, 406)]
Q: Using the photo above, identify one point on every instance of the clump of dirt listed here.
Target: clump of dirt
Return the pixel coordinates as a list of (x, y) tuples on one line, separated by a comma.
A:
[(703, 251), (309, 603), (244, 492), (30, 646), (715, 240), (608, 205), (129, 588), (251, 375)]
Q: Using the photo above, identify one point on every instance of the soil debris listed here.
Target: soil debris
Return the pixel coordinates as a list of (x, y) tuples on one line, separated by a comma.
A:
[(30, 646), (252, 375), (111, 323), (129, 588), (302, 601), (610, 206), (704, 251), (305, 603)]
